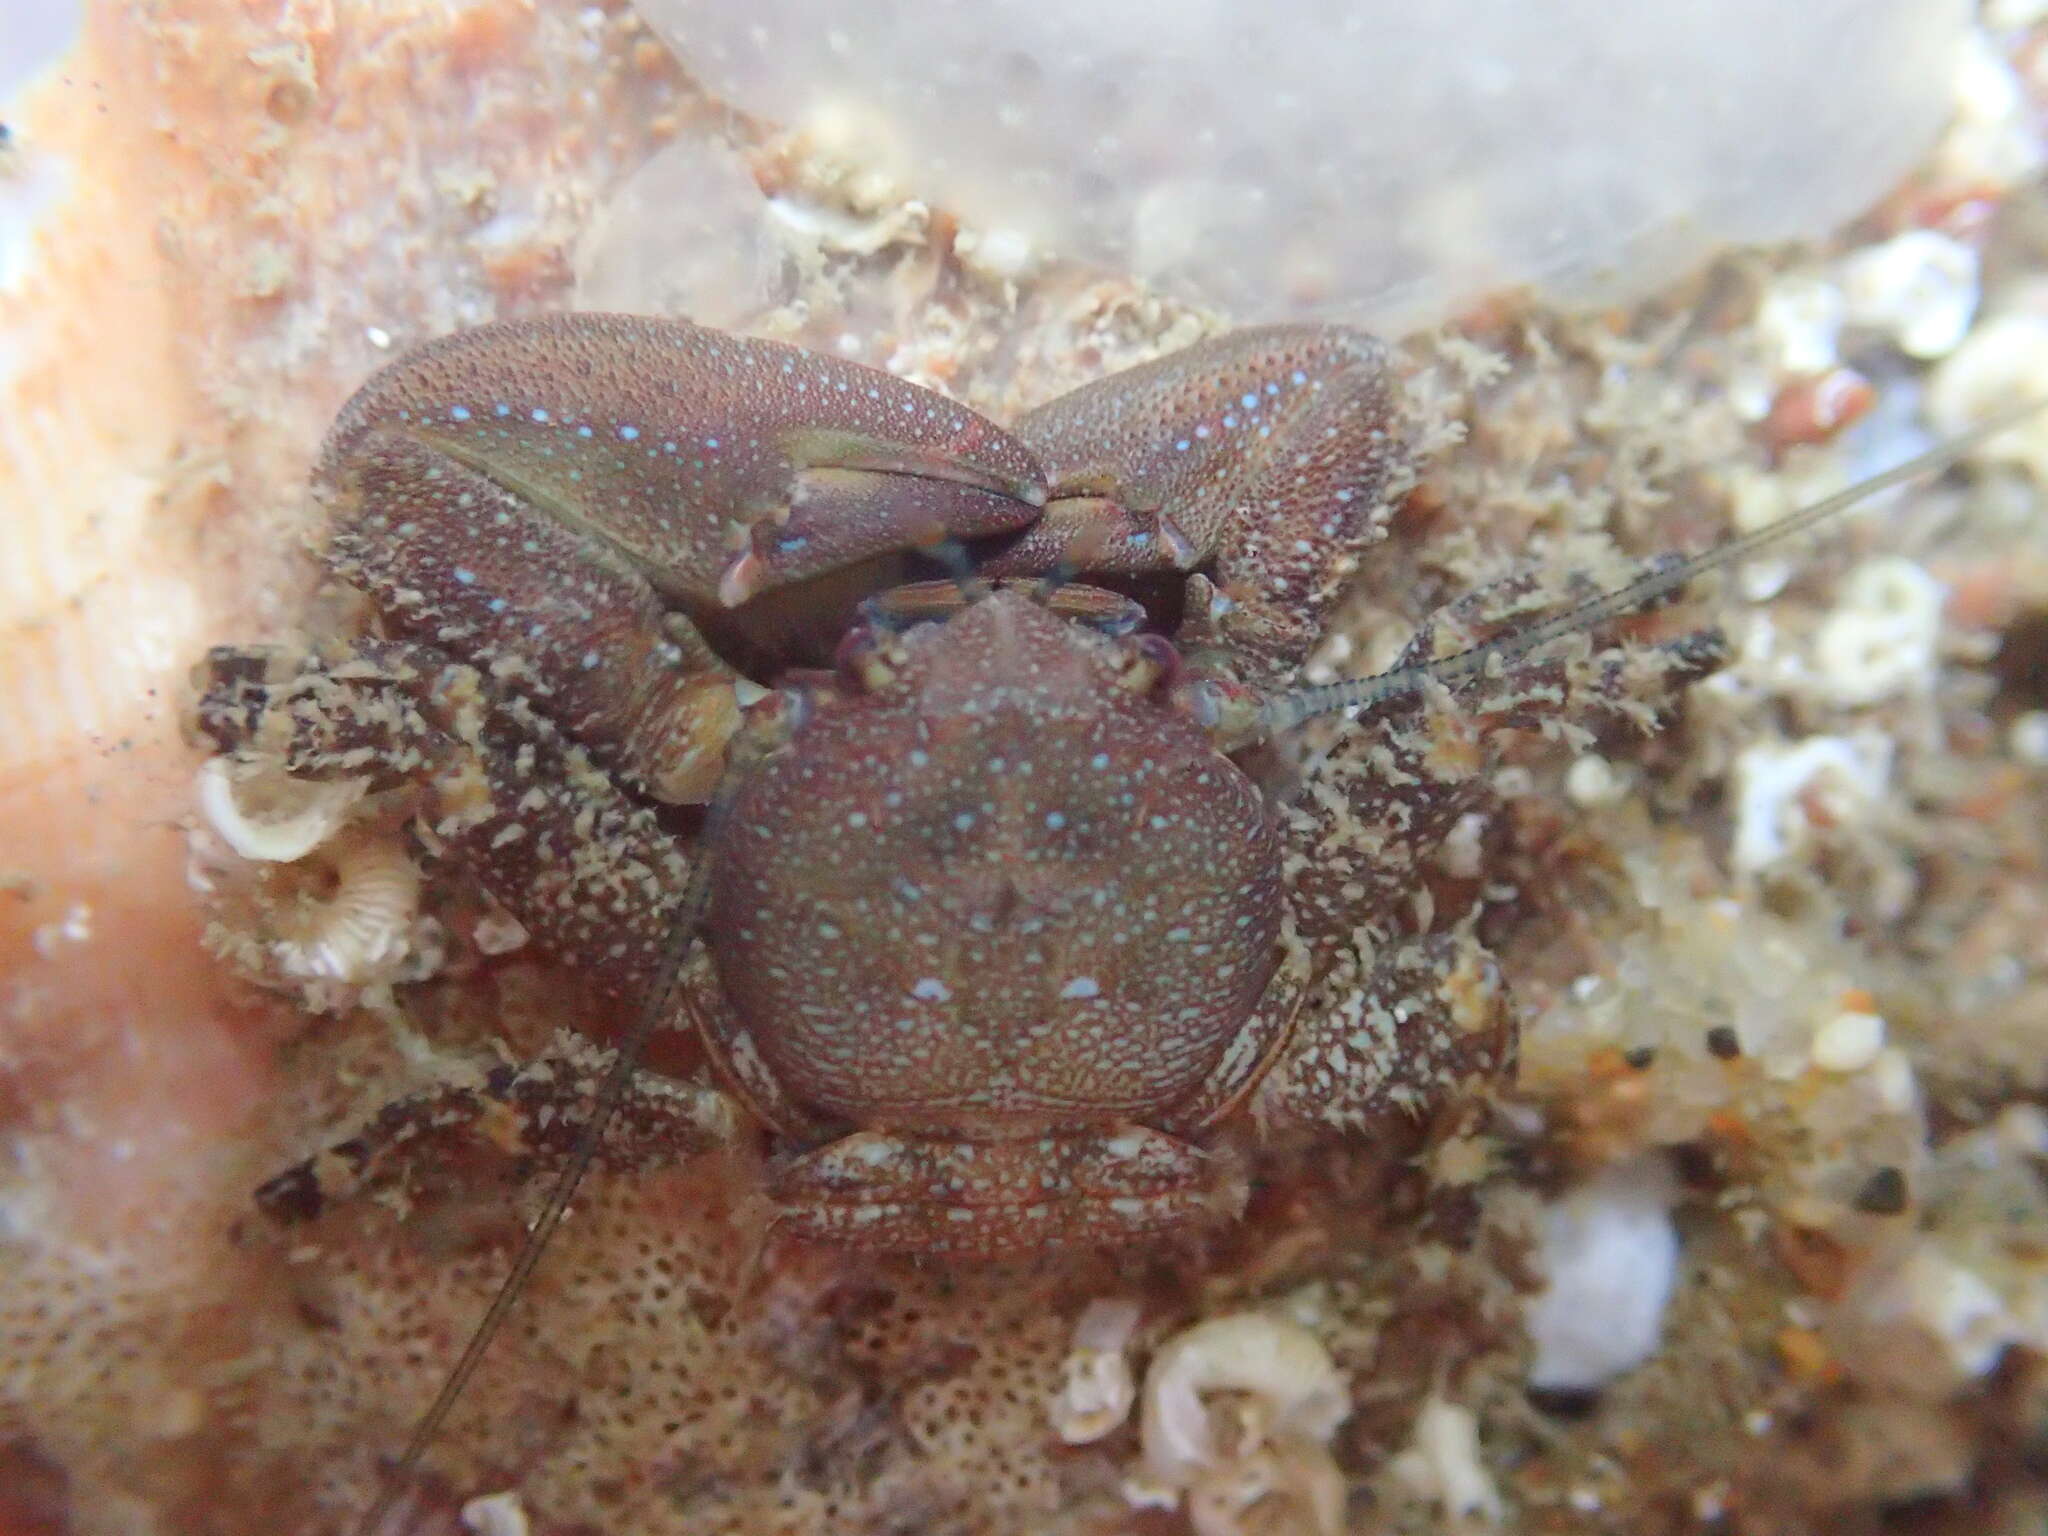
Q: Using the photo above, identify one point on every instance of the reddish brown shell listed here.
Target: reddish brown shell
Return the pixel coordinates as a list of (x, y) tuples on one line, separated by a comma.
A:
[(1008, 888)]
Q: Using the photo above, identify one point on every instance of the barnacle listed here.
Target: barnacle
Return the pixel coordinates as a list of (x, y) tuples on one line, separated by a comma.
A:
[(270, 816), (1237, 1411), (2003, 358), (1780, 786), (362, 929)]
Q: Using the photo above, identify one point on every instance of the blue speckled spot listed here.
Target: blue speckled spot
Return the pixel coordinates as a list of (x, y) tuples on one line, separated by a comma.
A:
[(458, 413), (629, 433)]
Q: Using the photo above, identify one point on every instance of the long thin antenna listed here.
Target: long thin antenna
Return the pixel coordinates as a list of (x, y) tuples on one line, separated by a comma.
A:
[(1287, 710), (611, 1092)]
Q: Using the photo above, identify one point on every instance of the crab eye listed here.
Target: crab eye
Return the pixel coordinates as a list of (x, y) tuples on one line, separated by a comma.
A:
[(1228, 711), (1150, 662), (862, 659), (1201, 701)]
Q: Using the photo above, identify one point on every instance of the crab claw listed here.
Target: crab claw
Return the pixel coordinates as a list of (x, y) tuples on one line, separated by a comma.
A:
[(1267, 456)]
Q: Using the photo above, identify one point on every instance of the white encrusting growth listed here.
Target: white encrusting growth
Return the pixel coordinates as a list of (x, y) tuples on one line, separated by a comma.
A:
[(1780, 787), (1285, 1400), (1919, 289), (1098, 1390), (1442, 1463), (1882, 639), (1610, 1255), (1800, 319), (270, 816)]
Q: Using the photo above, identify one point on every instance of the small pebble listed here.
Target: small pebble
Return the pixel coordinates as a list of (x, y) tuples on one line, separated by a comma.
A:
[(1723, 1042), (1848, 1042), (1883, 1193), (2028, 737), (1919, 288), (1591, 780), (496, 1514), (1892, 1075)]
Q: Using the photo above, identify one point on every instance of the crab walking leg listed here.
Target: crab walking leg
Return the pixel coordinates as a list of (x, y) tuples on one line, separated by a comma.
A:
[(593, 877), (1377, 802), (1432, 1020), (529, 1117), (881, 1191), (1269, 455)]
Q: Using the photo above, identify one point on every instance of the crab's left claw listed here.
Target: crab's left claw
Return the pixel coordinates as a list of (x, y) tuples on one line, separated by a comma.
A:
[(1268, 457), (716, 466)]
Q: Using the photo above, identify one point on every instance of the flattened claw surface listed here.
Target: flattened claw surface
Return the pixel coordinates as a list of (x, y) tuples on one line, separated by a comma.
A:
[(658, 438), (837, 515), (458, 560), (1268, 454)]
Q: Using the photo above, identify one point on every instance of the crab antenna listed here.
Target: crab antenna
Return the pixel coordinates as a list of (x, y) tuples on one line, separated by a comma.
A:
[(1290, 709), (953, 558), (611, 1091), (1082, 546)]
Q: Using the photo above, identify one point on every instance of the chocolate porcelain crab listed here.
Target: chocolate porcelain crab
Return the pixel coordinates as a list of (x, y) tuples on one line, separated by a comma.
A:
[(1000, 929), (1023, 916)]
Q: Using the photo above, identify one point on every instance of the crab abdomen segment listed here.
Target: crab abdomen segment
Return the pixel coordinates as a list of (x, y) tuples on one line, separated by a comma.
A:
[(986, 1199)]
